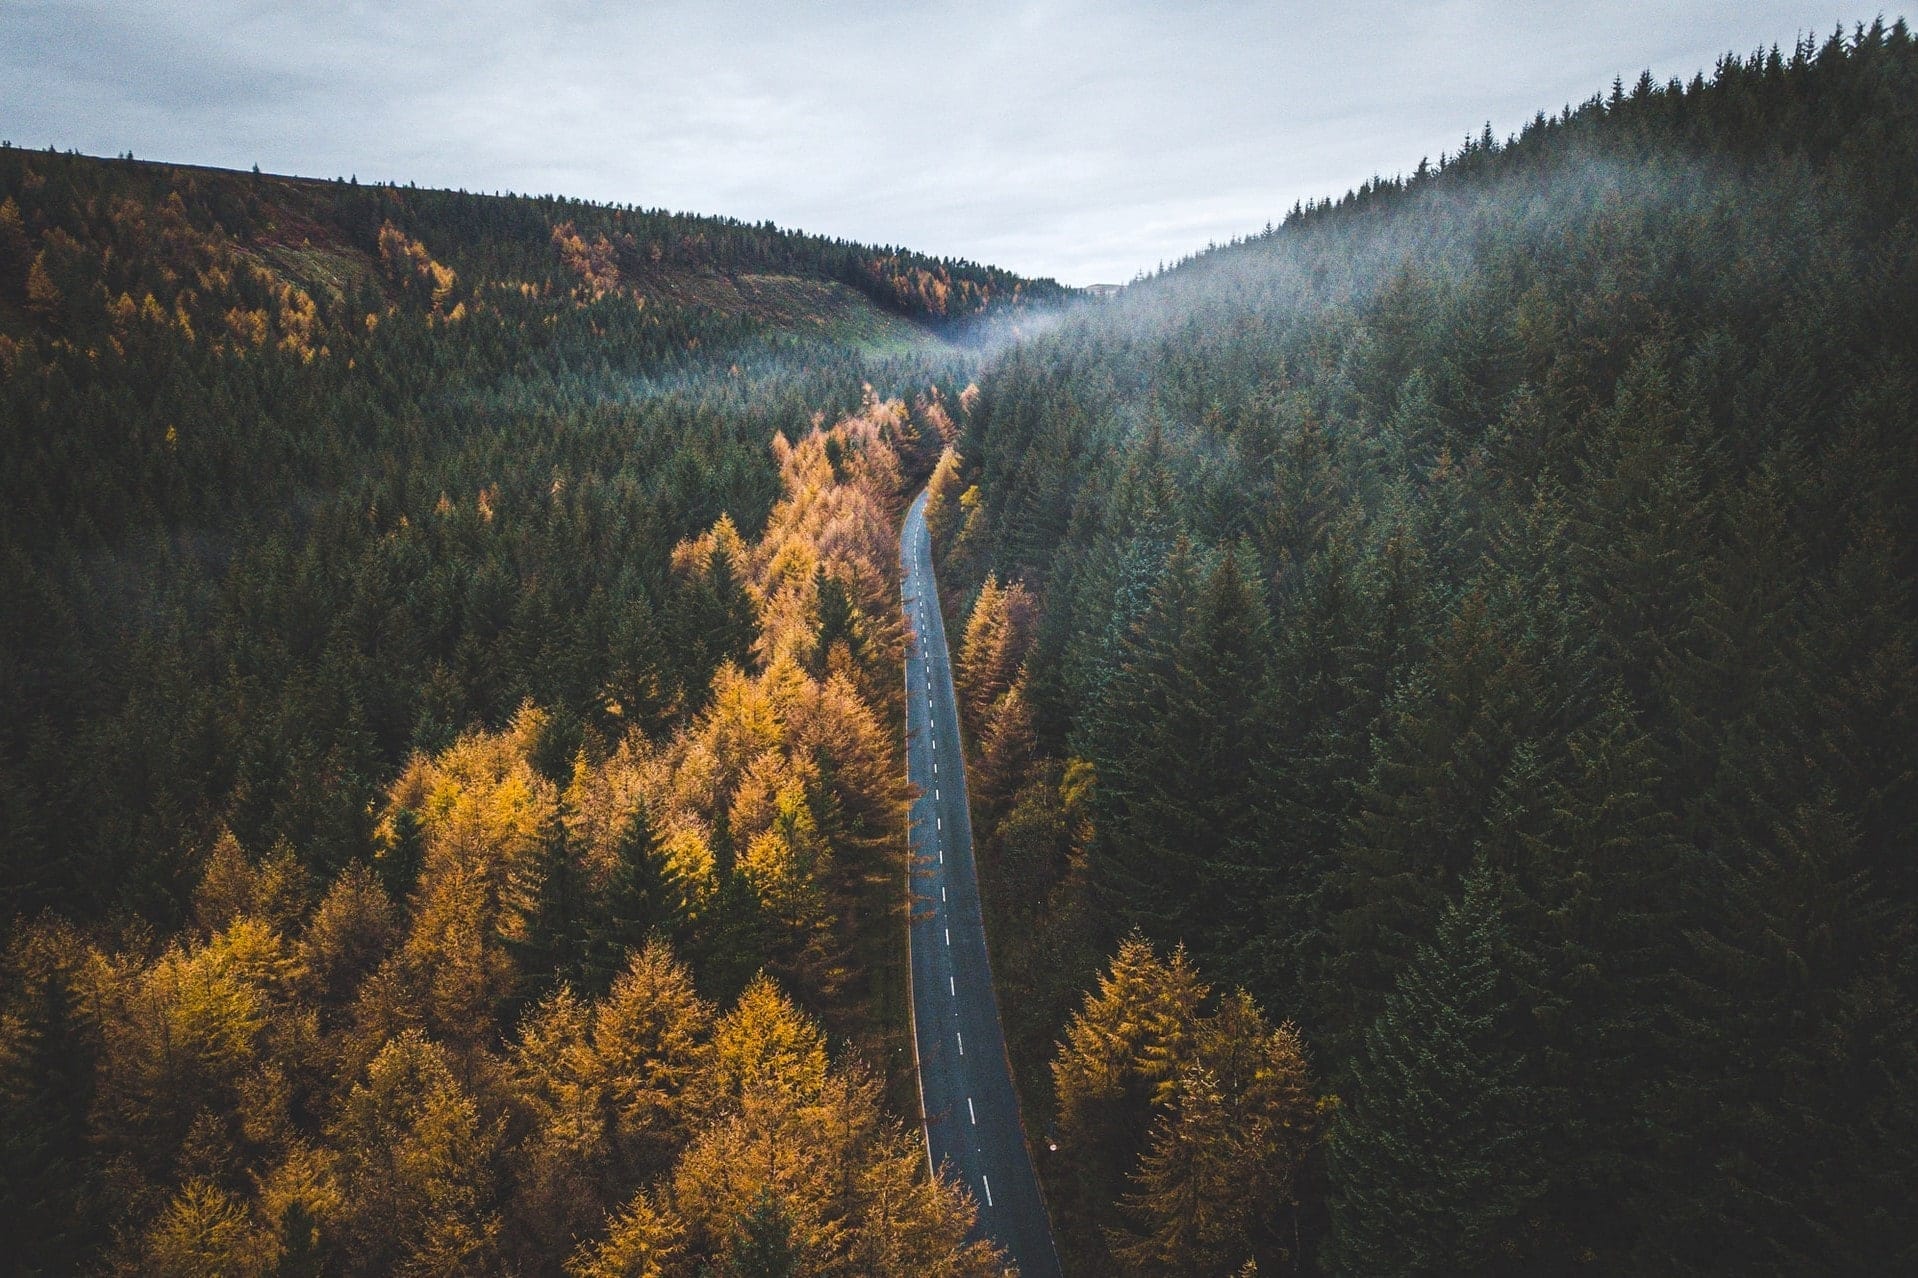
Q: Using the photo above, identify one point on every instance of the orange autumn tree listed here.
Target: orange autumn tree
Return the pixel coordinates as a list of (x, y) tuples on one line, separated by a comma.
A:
[(410, 266), (991, 683), (1212, 1110), (784, 790), (388, 1073), (942, 499)]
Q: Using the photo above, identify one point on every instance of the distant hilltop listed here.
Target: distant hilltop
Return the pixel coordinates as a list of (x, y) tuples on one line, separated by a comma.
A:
[(1103, 290)]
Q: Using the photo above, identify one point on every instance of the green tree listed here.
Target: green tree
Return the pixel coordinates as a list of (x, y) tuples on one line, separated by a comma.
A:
[(1434, 1157), (763, 1246), (640, 899), (49, 1048)]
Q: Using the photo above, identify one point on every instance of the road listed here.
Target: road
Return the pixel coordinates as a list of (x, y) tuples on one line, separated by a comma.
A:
[(971, 1111)]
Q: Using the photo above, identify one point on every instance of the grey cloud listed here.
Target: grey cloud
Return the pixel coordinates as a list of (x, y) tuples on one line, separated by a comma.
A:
[(1086, 139)]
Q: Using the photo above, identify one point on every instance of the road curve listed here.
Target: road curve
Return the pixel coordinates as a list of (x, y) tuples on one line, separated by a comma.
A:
[(972, 1121)]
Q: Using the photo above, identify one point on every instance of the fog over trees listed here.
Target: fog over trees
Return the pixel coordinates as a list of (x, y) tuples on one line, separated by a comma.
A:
[(1437, 676), (1475, 619)]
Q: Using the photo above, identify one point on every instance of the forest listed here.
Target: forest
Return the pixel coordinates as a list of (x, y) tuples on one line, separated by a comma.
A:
[(450, 783), (1439, 679), (1468, 631)]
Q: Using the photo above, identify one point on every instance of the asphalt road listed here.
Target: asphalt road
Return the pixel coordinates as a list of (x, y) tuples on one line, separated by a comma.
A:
[(972, 1119)]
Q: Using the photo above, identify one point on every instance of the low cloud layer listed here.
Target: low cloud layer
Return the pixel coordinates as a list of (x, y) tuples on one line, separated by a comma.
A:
[(1085, 139)]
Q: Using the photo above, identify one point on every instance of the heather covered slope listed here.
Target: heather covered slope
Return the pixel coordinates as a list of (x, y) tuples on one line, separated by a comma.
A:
[(325, 237)]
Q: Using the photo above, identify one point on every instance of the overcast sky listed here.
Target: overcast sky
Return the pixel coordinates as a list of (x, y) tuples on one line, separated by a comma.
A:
[(1084, 139)]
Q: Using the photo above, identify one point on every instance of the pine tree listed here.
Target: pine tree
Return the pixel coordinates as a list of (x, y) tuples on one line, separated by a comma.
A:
[(640, 900), (552, 946), (1797, 1066), (1450, 740), (838, 623), (764, 1246), (48, 1054), (730, 619), (1432, 1161), (637, 689), (1186, 779), (400, 852)]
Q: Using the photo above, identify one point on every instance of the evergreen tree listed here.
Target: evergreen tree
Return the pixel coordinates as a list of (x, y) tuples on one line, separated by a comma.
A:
[(764, 1246), (637, 682), (1797, 1028), (640, 900), (47, 1061), (1450, 739), (729, 621), (1184, 778), (1434, 1157), (838, 622), (552, 947)]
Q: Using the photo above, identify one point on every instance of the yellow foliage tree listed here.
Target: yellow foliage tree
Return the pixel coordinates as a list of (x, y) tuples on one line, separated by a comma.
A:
[(206, 1230), (415, 1167), (1213, 1113), (793, 1143), (643, 1241), (410, 266), (998, 633), (942, 501), (763, 1044), (650, 1041), (1130, 1035), (352, 931), (1224, 1154), (563, 1167), (43, 295), (184, 1049)]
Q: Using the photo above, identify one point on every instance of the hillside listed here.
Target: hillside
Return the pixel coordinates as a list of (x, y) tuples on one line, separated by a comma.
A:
[(325, 239), (1476, 618), (448, 784), (1439, 679), (211, 356)]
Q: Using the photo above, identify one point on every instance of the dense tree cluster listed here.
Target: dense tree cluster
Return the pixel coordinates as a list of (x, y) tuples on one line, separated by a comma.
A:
[(302, 477), (449, 789), (479, 1047), (1478, 619), (1208, 1110)]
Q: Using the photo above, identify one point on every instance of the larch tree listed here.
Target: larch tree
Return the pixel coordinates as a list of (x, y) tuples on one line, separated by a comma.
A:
[(416, 1167)]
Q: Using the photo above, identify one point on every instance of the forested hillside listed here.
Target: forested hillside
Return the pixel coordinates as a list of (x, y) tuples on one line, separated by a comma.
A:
[(449, 779), (1476, 619)]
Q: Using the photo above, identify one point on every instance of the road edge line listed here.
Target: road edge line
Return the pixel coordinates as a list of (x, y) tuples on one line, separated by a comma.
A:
[(905, 717)]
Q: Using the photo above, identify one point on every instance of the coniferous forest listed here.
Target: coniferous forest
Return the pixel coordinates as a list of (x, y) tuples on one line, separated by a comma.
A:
[(1474, 623), (1439, 681), (449, 780)]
